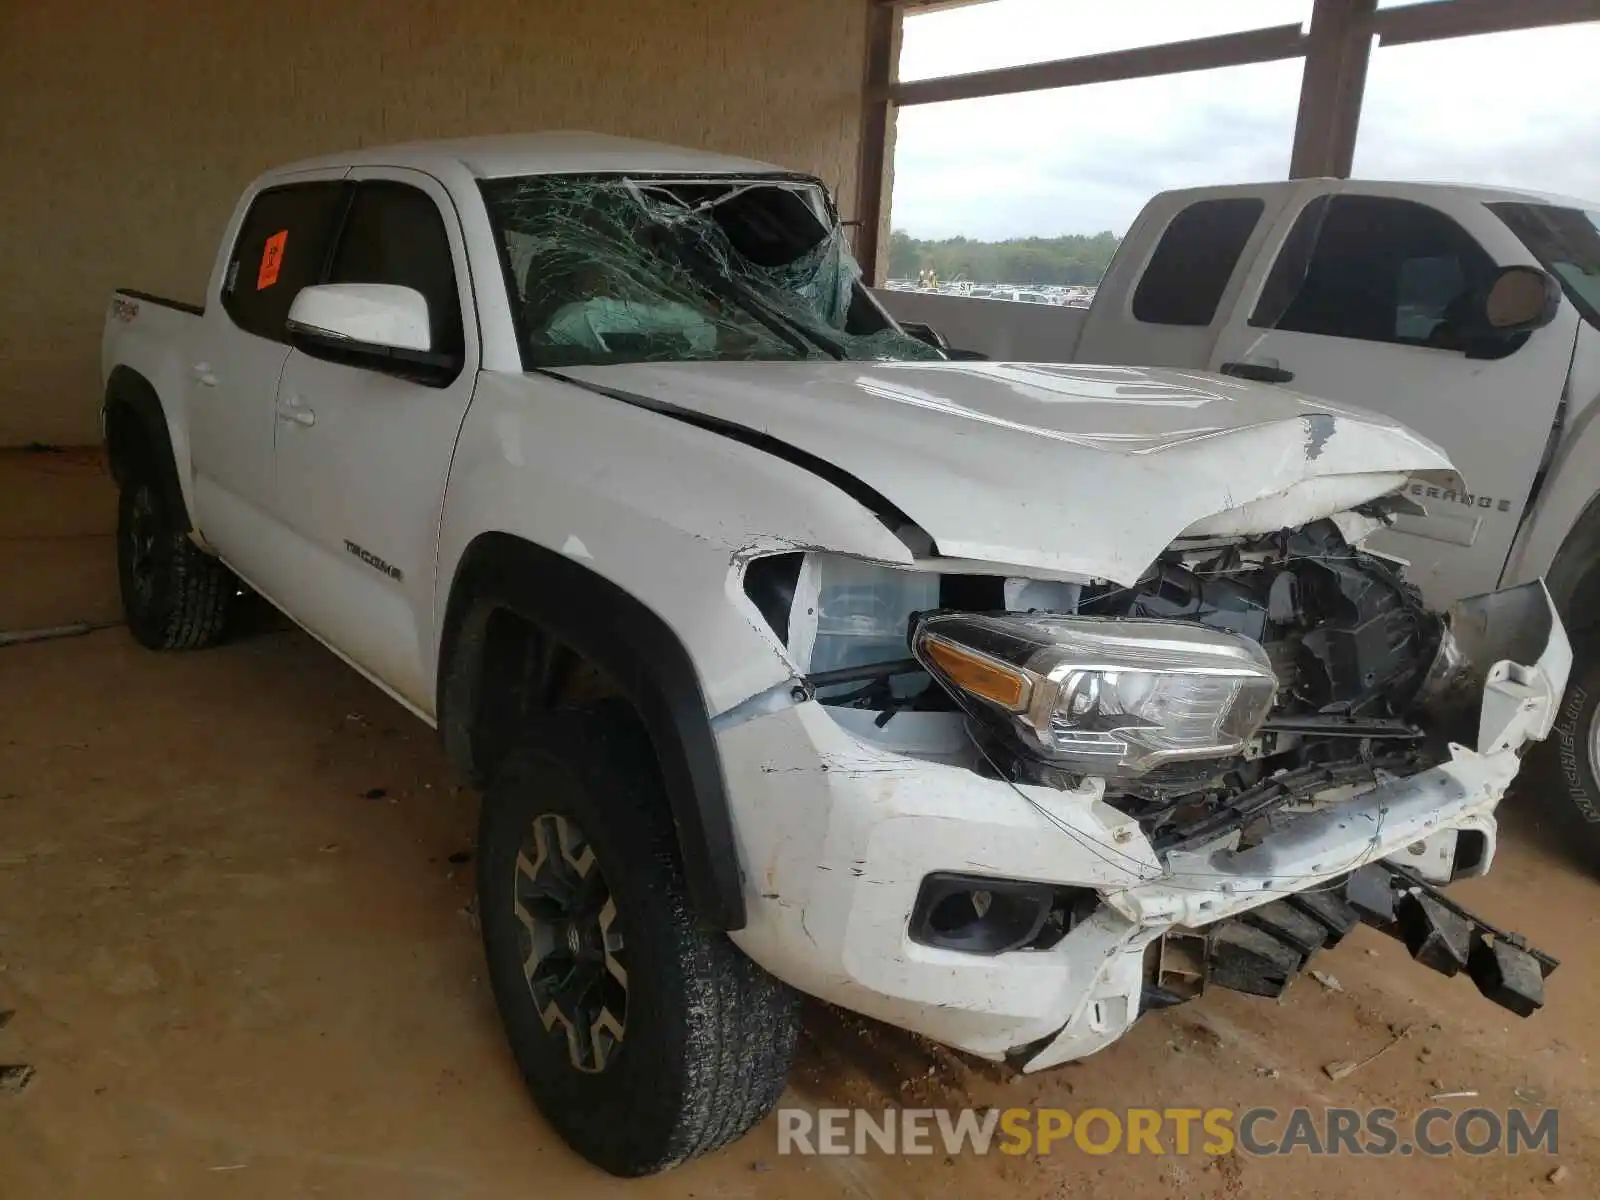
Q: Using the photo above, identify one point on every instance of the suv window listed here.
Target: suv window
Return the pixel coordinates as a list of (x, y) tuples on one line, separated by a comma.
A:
[(281, 248), (1194, 260), (394, 234), (1377, 269)]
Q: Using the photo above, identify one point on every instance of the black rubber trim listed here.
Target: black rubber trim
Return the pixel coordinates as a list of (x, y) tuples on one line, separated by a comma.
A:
[(194, 310), (131, 393), (635, 647), (864, 494)]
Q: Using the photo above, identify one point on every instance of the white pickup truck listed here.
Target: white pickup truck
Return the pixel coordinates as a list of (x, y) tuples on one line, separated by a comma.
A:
[(1000, 702), (1378, 294)]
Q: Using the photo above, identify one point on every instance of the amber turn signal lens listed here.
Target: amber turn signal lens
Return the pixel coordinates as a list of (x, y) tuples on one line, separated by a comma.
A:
[(977, 674)]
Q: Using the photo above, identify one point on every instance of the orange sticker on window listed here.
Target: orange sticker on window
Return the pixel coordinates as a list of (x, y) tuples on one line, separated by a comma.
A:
[(271, 259)]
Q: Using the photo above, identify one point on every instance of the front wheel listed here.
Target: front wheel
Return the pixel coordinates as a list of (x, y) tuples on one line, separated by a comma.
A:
[(174, 595), (645, 1036), (1574, 745)]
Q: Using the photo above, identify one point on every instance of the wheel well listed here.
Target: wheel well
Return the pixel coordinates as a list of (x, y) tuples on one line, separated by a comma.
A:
[(528, 630), (137, 436), (1574, 576)]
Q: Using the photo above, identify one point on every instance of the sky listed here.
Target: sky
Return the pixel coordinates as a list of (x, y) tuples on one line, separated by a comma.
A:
[(1513, 108)]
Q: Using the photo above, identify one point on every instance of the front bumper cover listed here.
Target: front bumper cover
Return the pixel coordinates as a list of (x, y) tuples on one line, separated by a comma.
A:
[(840, 833)]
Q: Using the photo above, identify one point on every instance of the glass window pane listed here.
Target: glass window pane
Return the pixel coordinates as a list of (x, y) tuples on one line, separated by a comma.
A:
[(1026, 170), (1509, 109), (1379, 270), (1194, 260), (394, 234), (280, 250), (1012, 33)]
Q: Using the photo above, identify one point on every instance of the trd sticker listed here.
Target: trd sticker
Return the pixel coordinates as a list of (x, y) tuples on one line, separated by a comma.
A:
[(271, 260)]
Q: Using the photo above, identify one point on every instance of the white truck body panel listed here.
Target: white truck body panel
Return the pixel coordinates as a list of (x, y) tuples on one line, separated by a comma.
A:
[(1159, 451)]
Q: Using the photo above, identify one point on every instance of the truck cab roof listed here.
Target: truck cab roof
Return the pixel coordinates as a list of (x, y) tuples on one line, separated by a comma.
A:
[(559, 152), (1412, 189)]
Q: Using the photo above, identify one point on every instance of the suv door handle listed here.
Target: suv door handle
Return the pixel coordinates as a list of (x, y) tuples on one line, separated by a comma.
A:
[(201, 372), (1260, 372), (292, 410)]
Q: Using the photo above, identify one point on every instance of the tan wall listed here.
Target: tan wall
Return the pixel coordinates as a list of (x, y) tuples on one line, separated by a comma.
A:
[(127, 130)]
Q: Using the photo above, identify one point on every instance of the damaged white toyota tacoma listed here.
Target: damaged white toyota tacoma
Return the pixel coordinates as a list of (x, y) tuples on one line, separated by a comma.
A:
[(1000, 702)]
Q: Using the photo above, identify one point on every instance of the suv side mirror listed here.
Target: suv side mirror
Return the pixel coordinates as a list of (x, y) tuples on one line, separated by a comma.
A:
[(1520, 300), (375, 326)]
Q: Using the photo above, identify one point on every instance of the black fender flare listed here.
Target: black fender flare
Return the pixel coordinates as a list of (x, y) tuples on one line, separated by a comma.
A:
[(135, 430), (636, 648)]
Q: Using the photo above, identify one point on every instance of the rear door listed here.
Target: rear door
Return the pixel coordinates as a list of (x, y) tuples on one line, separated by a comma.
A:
[(363, 454), (279, 247), (1177, 276), (1360, 298)]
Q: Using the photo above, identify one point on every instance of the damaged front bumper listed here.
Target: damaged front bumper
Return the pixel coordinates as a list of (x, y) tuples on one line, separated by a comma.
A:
[(847, 831)]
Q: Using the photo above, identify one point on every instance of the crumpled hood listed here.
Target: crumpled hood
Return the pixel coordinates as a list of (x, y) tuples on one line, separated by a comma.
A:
[(1081, 469)]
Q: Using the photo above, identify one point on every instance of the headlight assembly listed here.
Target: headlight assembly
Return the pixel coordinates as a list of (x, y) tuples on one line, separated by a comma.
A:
[(1100, 696)]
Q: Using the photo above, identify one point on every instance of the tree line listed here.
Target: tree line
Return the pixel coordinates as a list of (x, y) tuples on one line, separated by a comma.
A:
[(1074, 258)]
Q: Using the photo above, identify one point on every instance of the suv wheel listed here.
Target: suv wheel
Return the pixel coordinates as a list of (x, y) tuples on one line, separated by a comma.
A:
[(174, 595), (645, 1036)]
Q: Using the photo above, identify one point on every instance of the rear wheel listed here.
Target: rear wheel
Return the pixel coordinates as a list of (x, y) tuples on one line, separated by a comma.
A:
[(645, 1036), (174, 595)]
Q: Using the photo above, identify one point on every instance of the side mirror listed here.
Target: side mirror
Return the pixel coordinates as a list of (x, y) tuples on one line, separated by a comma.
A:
[(376, 326), (1520, 300)]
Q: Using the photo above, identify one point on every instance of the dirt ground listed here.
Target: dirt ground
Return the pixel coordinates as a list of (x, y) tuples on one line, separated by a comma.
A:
[(236, 942)]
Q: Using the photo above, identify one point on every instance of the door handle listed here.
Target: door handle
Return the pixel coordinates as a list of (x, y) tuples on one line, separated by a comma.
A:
[(1260, 372), (292, 410), (202, 374)]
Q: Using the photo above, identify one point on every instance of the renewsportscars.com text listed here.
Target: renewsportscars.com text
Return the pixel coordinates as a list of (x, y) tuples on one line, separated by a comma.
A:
[(1215, 1131)]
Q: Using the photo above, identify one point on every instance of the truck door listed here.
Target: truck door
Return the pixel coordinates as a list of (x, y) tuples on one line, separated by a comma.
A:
[(1361, 298), (278, 248), (1177, 275), (363, 454)]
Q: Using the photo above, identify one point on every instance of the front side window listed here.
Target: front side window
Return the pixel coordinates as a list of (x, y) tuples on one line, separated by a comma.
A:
[(1566, 241), (606, 269), (1377, 269), (394, 234), (281, 248), (1194, 260)]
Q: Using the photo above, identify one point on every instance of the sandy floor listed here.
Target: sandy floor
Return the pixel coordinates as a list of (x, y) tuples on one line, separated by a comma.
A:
[(237, 970)]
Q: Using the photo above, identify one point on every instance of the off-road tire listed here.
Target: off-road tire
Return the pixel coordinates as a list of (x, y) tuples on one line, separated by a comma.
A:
[(708, 1036), (175, 596), (1570, 754)]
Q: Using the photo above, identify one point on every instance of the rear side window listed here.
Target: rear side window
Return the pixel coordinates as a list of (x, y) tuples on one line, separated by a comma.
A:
[(1377, 269), (394, 234), (281, 248), (1194, 260)]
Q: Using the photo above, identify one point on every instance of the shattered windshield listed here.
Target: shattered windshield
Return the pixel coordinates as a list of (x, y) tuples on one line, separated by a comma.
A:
[(606, 269), (1567, 242)]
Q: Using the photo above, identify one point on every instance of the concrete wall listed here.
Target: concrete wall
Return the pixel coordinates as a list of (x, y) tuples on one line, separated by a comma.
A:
[(127, 130), (1005, 330)]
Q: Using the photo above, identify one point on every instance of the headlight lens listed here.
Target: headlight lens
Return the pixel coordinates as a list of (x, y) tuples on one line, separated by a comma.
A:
[(1103, 696)]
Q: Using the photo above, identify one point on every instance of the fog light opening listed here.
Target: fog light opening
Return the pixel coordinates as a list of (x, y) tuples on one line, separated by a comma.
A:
[(991, 916)]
